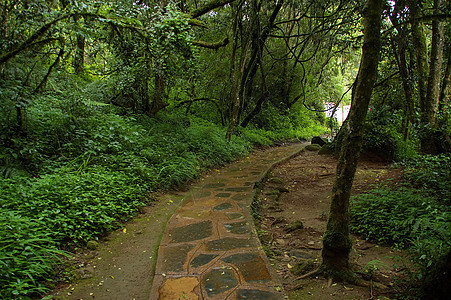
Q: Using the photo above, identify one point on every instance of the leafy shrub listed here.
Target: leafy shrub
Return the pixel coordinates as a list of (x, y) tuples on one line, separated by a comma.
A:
[(76, 208), (416, 217), (28, 255), (380, 132), (432, 174)]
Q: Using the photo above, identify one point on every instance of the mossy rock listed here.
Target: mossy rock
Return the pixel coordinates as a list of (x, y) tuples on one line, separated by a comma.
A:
[(92, 245), (313, 147), (327, 149), (294, 226), (303, 267)]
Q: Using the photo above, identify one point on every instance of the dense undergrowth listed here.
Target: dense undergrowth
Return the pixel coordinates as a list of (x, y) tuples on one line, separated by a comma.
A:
[(79, 169), (413, 216)]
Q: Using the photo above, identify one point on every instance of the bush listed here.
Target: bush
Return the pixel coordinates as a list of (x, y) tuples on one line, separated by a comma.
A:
[(28, 255), (416, 217)]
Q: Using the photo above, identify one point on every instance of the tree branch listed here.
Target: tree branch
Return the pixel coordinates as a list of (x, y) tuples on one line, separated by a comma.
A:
[(209, 7), (208, 45)]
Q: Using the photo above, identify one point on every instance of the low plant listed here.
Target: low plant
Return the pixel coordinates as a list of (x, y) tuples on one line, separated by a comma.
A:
[(28, 255), (414, 217)]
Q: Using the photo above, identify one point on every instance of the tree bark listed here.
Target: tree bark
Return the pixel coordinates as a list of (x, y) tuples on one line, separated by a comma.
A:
[(435, 68), (430, 103), (49, 72), (400, 53), (336, 241)]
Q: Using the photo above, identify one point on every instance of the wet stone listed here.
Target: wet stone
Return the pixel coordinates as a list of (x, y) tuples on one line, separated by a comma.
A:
[(251, 266), (202, 194), (223, 206), (202, 259), (239, 197), (237, 189), (219, 281), (215, 185), (237, 228), (194, 214), (234, 216), (257, 294), (229, 244), (192, 232), (223, 195), (174, 258)]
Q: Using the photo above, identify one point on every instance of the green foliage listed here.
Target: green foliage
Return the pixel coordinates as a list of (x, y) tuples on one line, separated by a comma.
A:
[(295, 123), (432, 174), (381, 133), (91, 170), (416, 217), (28, 254)]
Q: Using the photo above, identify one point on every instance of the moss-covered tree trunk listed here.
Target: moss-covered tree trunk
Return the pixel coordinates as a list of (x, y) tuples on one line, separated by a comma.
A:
[(336, 241)]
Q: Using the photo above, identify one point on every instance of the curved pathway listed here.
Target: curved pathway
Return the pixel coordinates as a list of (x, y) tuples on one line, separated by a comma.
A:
[(210, 249)]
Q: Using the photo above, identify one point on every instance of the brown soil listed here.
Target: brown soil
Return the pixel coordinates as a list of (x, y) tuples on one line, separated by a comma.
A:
[(299, 190), (123, 265)]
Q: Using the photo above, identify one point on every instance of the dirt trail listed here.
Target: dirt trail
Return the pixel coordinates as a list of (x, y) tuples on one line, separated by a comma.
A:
[(123, 267), (299, 190)]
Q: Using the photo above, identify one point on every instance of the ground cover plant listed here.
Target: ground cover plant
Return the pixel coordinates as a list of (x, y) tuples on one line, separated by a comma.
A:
[(80, 169), (413, 216)]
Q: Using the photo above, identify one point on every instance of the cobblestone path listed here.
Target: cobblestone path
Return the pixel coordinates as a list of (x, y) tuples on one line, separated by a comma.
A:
[(210, 249)]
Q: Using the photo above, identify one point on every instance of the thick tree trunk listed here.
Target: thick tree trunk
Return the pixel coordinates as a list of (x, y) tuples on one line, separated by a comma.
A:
[(79, 59), (435, 68), (429, 139), (336, 241), (157, 103)]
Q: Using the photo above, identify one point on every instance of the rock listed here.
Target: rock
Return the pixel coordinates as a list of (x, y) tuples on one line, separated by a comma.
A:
[(296, 243), (281, 242), (276, 180), (84, 273), (313, 147), (92, 245), (319, 140), (300, 254), (294, 226), (327, 149)]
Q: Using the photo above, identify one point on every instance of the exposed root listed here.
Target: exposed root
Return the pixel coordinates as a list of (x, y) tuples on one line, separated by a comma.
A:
[(329, 282), (352, 279), (317, 271), (312, 273)]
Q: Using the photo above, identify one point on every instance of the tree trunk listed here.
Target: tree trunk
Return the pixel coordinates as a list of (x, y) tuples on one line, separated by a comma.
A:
[(157, 103), (336, 241), (49, 72), (400, 48), (435, 67), (79, 57), (421, 54)]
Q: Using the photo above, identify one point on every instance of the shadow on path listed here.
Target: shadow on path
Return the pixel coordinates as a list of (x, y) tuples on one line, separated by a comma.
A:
[(210, 249)]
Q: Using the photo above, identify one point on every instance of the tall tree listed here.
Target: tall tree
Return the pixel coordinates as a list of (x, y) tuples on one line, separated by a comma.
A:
[(336, 241)]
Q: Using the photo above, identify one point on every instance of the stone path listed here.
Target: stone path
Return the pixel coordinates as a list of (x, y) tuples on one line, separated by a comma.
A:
[(210, 249)]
